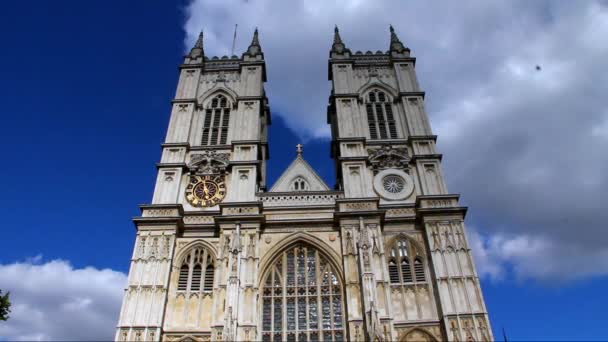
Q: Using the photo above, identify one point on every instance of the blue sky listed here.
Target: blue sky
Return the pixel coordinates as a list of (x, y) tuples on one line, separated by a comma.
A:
[(86, 89)]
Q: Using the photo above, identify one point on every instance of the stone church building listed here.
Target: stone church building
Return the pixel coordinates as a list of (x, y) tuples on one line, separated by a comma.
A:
[(222, 255)]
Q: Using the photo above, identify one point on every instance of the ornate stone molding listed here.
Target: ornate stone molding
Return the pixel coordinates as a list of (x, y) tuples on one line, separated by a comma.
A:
[(387, 157), (208, 162)]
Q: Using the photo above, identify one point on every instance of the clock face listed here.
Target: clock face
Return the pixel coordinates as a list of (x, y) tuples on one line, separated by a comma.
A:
[(205, 191)]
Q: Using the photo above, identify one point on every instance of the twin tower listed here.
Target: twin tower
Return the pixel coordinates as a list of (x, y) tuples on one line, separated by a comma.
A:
[(381, 256)]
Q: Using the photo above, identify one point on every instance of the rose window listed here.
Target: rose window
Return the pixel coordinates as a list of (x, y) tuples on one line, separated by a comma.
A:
[(393, 184)]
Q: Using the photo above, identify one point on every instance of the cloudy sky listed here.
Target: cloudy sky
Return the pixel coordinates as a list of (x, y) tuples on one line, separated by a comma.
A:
[(516, 92)]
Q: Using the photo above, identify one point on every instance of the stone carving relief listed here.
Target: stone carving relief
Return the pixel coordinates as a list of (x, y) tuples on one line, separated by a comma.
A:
[(400, 212), (299, 199), (153, 247), (198, 219), (359, 206), (350, 250), (241, 211), (417, 334), (221, 76), (447, 235), (387, 157), (209, 162), (373, 70)]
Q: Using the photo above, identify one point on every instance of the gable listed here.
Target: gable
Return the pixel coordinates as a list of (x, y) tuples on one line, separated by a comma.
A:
[(299, 171)]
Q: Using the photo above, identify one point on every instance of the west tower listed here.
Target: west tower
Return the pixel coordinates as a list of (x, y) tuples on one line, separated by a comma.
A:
[(382, 256), (412, 261)]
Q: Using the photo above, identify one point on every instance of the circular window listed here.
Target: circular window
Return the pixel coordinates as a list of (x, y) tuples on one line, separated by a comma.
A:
[(393, 184)]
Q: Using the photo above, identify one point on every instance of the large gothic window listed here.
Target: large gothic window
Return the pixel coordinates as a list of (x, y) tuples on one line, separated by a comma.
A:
[(215, 124), (196, 272), (302, 298), (405, 263), (380, 116)]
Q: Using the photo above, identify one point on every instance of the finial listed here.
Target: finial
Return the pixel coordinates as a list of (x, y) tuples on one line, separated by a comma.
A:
[(197, 50), (299, 150), (254, 48), (396, 44), (338, 46), (199, 41), (255, 40)]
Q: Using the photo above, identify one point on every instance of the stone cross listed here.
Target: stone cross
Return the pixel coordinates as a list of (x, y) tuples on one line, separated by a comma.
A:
[(299, 149)]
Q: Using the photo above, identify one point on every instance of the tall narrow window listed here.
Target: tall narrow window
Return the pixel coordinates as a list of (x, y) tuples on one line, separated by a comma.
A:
[(182, 283), (191, 277), (405, 264), (302, 298), (209, 278), (217, 119), (380, 116)]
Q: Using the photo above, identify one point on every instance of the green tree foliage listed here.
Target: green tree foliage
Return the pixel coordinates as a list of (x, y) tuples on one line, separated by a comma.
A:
[(5, 306)]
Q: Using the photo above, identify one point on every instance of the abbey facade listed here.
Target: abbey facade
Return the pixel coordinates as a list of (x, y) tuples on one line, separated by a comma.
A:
[(221, 255)]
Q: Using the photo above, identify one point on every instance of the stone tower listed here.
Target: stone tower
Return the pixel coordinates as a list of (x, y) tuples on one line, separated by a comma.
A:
[(382, 256)]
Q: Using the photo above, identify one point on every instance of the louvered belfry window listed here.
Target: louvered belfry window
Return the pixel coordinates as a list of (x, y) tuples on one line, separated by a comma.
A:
[(380, 117), (302, 298), (191, 276), (405, 264), (216, 121)]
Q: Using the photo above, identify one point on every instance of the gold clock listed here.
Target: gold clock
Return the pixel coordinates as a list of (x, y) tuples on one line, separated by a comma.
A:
[(205, 191)]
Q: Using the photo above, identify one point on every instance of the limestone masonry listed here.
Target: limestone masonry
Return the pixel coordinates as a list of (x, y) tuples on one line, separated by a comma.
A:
[(383, 256)]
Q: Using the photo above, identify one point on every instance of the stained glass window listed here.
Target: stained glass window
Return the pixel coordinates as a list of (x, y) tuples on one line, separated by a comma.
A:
[(302, 298)]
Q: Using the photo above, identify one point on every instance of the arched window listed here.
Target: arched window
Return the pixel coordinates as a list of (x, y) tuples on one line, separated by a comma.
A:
[(405, 263), (380, 116), (302, 298), (215, 124), (191, 277), (299, 184)]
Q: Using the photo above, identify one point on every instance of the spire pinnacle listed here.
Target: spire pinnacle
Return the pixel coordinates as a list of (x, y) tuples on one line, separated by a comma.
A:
[(299, 150), (396, 44), (255, 40), (338, 46), (199, 41), (197, 50), (254, 48), (337, 38)]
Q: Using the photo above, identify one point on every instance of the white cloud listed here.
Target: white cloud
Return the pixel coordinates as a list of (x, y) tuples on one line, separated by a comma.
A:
[(535, 257), (54, 301), (525, 147)]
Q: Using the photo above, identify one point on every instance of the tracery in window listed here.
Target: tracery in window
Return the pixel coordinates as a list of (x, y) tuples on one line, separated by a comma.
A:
[(191, 276), (217, 119), (299, 184), (380, 116), (405, 263), (302, 298)]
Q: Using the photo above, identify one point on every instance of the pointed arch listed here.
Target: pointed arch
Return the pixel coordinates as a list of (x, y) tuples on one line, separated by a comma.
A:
[(377, 84), (406, 260), (380, 112), (204, 99), (418, 335), (302, 294), (181, 254), (279, 247), (195, 268)]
